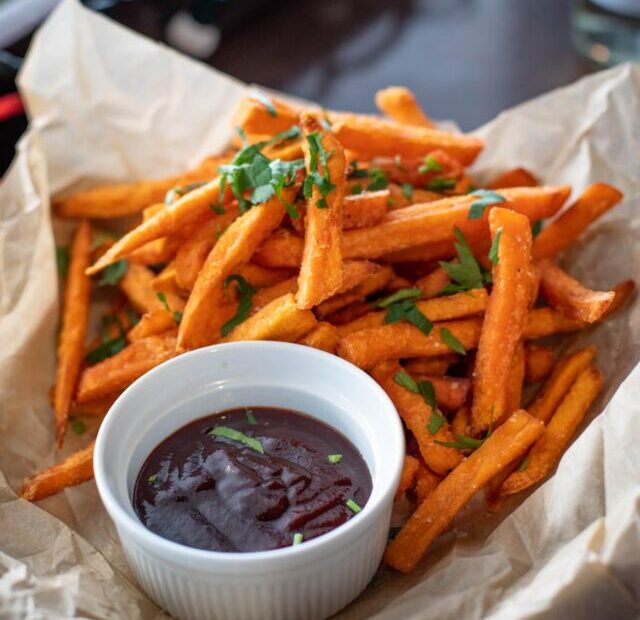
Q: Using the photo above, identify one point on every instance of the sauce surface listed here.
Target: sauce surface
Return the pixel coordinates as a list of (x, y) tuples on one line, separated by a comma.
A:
[(251, 479)]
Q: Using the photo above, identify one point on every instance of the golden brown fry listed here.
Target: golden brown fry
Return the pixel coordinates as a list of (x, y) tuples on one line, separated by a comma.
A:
[(259, 277), (565, 372), (75, 312), (574, 300), (365, 209), (93, 408), (368, 347), (283, 249), (507, 443), (538, 362), (461, 422), (516, 177), (255, 118), (280, 319), (433, 282), (515, 380), (151, 324), (593, 202), (504, 318), (118, 372), (75, 469), (624, 291), (426, 481), (409, 469), (137, 285), (434, 366), (416, 414), (400, 105), (266, 295), (202, 318), (166, 280), (548, 449), (321, 267), (451, 392), (542, 322), (325, 337), (349, 313)]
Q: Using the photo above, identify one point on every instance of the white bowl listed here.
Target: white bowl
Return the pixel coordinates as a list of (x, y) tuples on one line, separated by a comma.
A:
[(308, 581)]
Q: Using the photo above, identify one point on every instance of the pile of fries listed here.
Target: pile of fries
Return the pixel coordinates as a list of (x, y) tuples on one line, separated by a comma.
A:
[(365, 237)]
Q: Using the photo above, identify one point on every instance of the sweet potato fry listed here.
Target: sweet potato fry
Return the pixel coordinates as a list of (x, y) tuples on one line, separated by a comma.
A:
[(75, 469), (255, 118), (506, 444), (538, 362), (624, 291), (367, 347), (266, 295), (321, 267), (155, 252), (565, 372), (75, 312), (434, 366), (202, 319), (400, 105), (455, 306), (425, 481), (349, 313), (365, 209), (407, 477), (515, 380), (416, 414), (118, 372), (137, 285), (166, 280), (516, 177), (280, 319), (93, 408), (451, 392), (433, 282), (504, 318), (283, 249), (151, 324), (548, 449), (542, 322), (593, 202), (325, 337), (574, 300), (260, 277), (371, 137), (461, 422)]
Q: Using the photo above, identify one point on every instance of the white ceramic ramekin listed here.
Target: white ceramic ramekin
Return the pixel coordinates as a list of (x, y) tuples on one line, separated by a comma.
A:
[(307, 582)]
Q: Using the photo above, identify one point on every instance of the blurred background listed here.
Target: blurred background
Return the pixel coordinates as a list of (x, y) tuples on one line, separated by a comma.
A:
[(465, 59)]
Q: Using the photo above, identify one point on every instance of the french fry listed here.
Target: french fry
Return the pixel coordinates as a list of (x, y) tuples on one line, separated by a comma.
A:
[(409, 469), (624, 291), (365, 209), (416, 172), (325, 337), (321, 267), (504, 318), (260, 277), (542, 322), (400, 105), (266, 295), (111, 201), (137, 285), (451, 392), (455, 306), (426, 481), (280, 319), (349, 313), (574, 300), (119, 371), (254, 118), (166, 280), (75, 312), (515, 380), (202, 319), (434, 366), (548, 449), (93, 408), (538, 362), (415, 413), (593, 202), (155, 252), (433, 282), (516, 177), (281, 250), (564, 374), (151, 324), (371, 137), (507, 443), (461, 422), (367, 347), (75, 469)]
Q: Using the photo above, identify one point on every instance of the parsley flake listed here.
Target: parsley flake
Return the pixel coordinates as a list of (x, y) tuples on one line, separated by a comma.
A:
[(399, 295), (113, 273), (63, 258), (451, 341), (177, 316), (536, 228), (353, 506), (356, 189), (250, 417), (431, 164), (178, 192), (77, 426), (152, 479), (107, 348), (438, 185), (378, 179), (465, 273), (428, 393), (495, 246), (407, 190), (334, 458), (235, 435), (462, 442), (266, 103), (486, 199), (524, 463), (297, 538), (245, 293)]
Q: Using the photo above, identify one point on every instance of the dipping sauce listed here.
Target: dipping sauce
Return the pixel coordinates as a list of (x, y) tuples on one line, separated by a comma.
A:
[(251, 479)]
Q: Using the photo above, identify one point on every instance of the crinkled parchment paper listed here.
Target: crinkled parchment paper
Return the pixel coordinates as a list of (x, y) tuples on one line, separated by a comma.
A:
[(107, 105)]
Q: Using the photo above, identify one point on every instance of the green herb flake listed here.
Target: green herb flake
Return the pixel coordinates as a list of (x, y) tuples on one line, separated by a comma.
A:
[(245, 294), (178, 192), (438, 185), (218, 208), (378, 179), (297, 538), (334, 458), (436, 420), (431, 164), (100, 238), (407, 190), (524, 463), (152, 479), (235, 435), (427, 391), (107, 348), (462, 442), (132, 316), (266, 103), (250, 417), (356, 189), (486, 198), (177, 316), (399, 295), (465, 273), (495, 245), (536, 228), (353, 506), (77, 426), (451, 341), (357, 173), (63, 258), (113, 273)]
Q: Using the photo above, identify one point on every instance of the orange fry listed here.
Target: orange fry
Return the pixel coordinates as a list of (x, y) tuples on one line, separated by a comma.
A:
[(151, 324), (400, 105), (426, 481), (365, 209), (504, 319), (254, 118), (538, 362), (325, 337), (516, 177), (75, 469), (543, 322), (75, 314), (461, 422), (434, 366), (507, 443), (515, 380), (574, 300), (349, 313), (433, 282), (451, 392), (409, 469), (137, 285), (267, 294), (155, 252), (548, 449)]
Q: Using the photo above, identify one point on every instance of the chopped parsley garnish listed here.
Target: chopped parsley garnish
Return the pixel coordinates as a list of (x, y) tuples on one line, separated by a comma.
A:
[(465, 273), (431, 164), (297, 538), (77, 426), (462, 442), (486, 198), (353, 506), (428, 393), (245, 293), (177, 192), (317, 153), (152, 479), (536, 228), (378, 179), (495, 245), (132, 316), (438, 185), (401, 306), (63, 257), (403, 293), (100, 238), (107, 348), (334, 458), (407, 190), (177, 316), (524, 463), (218, 209), (356, 189), (266, 103), (113, 273), (250, 417), (235, 435), (325, 121), (452, 342), (357, 173)]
